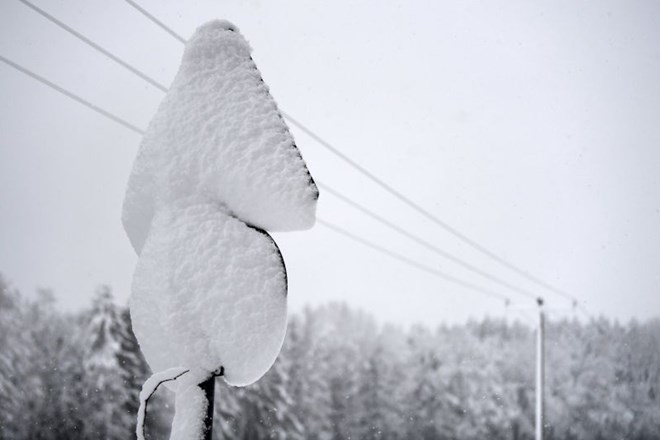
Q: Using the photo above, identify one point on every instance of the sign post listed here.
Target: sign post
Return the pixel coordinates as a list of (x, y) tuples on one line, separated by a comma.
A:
[(208, 386)]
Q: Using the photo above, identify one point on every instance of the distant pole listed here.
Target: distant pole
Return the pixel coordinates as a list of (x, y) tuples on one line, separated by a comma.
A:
[(540, 371), (208, 386)]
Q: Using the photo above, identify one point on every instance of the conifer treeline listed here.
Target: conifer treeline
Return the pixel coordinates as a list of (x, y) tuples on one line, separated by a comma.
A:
[(339, 376)]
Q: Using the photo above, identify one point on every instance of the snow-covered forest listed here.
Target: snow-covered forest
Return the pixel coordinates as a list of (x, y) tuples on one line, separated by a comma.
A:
[(340, 375)]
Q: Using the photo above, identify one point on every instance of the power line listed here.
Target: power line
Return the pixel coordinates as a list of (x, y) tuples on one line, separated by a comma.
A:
[(337, 229), (95, 46), (337, 194), (164, 89), (409, 261), (423, 211), (155, 20), (423, 242), (295, 122), (71, 95), (415, 206)]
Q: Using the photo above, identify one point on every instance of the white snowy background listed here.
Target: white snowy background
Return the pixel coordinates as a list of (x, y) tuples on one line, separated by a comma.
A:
[(530, 127)]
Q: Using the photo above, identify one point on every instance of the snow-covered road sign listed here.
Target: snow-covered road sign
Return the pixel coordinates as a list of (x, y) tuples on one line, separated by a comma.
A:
[(216, 169)]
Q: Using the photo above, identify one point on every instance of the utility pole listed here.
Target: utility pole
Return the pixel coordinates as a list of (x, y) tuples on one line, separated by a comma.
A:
[(540, 371)]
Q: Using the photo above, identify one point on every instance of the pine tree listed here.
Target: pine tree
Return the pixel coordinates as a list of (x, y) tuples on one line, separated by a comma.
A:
[(307, 384), (58, 413), (41, 363), (424, 399), (14, 358), (266, 407), (263, 410), (381, 388), (133, 371), (113, 369)]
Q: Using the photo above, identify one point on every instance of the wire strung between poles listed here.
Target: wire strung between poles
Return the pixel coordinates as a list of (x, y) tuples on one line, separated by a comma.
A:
[(137, 130), (158, 22), (416, 207), (95, 46), (161, 87), (425, 243), (411, 262), (321, 141), (71, 95), (453, 231)]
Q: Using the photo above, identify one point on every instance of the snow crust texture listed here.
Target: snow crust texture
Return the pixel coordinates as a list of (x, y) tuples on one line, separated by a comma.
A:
[(218, 134), (209, 291), (216, 169)]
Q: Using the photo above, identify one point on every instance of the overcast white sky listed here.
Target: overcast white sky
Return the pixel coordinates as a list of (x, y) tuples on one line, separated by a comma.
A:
[(531, 127)]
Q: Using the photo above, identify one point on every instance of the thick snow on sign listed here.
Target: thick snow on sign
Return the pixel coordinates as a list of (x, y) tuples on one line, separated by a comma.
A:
[(218, 135), (217, 167), (209, 291)]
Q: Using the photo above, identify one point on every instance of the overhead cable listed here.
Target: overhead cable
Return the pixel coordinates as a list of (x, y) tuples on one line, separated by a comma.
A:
[(94, 45), (337, 194), (423, 242), (71, 95), (337, 229), (291, 119), (415, 206), (409, 261)]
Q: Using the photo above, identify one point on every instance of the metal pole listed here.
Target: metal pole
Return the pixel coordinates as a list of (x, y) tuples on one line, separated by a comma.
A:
[(208, 386), (540, 371)]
